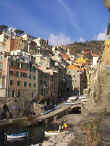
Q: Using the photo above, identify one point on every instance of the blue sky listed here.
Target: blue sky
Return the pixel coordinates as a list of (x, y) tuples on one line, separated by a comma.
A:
[(65, 20)]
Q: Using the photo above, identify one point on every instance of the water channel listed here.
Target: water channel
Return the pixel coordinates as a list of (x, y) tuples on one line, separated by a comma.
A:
[(36, 136)]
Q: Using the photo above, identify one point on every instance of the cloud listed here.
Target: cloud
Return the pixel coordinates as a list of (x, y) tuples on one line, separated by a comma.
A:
[(60, 39), (101, 36), (82, 39), (71, 15)]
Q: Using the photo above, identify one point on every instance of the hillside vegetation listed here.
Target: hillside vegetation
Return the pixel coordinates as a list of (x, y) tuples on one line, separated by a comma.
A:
[(97, 47)]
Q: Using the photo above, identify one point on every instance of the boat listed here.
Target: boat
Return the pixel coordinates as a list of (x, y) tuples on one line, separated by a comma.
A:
[(52, 133), (17, 136)]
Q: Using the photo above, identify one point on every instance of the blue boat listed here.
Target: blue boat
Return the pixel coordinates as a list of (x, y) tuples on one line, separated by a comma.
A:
[(17, 136)]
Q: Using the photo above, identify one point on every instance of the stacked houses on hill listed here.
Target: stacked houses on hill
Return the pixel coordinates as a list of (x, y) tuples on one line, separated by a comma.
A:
[(33, 70)]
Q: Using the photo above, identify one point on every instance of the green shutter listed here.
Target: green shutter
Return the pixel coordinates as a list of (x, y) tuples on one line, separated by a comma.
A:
[(25, 66), (11, 63), (18, 83), (17, 74), (0, 66)]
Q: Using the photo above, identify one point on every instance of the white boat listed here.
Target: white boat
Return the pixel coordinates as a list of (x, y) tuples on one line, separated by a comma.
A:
[(16, 136), (52, 133)]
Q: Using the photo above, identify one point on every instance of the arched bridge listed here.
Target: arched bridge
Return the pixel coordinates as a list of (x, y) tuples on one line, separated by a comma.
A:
[(28, 121)]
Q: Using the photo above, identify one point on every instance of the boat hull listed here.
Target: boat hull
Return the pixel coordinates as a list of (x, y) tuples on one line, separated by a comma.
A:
[(13, 137), (52, 133)]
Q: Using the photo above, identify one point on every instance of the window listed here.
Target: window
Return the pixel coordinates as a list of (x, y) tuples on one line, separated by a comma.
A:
[(25, 66), (17, 74), (25, 75), (41, 81), (30, 76), (25, 84), (29, 84), (11, 63), (21, 74), (73, 76), (18, 65), (41, 91), (11, 73), (34, 85), (0, 66), (22, 65), (34, 69), (30, 65), (13, 93), (34, 77), (18, 93), (11, 82), (46, 75), (46, 83), (18, 83)]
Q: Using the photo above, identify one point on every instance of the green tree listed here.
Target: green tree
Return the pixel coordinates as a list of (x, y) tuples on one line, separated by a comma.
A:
[(19, 32), (3, 27)]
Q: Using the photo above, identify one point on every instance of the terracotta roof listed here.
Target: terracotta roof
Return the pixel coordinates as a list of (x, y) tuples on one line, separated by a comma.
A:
[(72, 67), (65, 56)]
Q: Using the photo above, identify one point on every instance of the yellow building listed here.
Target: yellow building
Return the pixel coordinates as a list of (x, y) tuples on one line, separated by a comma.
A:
[(81, 61), (107, 53)]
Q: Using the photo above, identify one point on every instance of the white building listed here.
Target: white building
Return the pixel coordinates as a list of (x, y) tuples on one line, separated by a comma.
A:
[(95, 59)]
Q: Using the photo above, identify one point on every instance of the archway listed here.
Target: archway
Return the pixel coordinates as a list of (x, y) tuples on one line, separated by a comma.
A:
[(75, 110)]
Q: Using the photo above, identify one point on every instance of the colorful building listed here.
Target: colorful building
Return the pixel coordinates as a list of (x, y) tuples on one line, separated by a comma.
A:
[(76, 80), (19, 76), (47, 86)]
